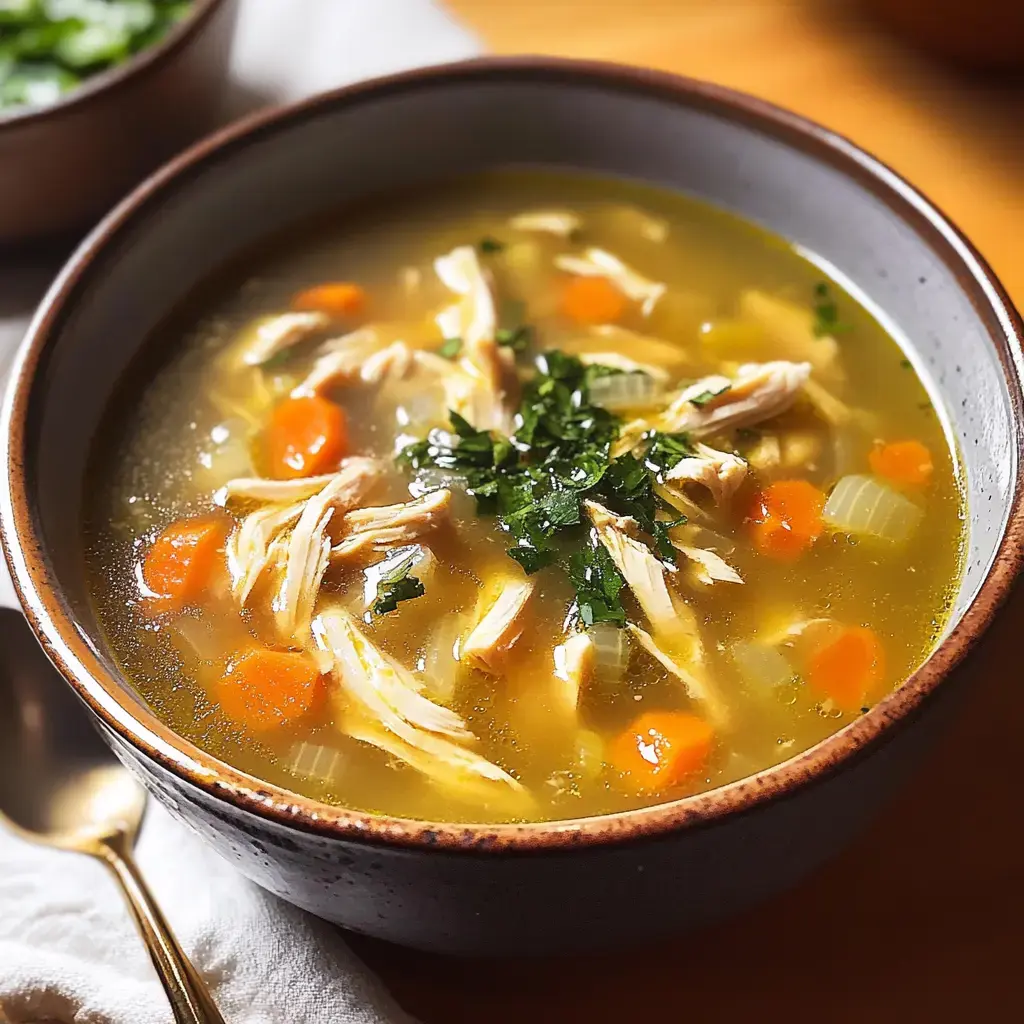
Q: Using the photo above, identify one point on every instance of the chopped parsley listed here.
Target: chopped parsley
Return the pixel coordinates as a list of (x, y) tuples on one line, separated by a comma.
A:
[(450, 347), (906, 364), (826, 312), (513, 331), (396, 585), (535, 481), (489, 245), (699, 401)]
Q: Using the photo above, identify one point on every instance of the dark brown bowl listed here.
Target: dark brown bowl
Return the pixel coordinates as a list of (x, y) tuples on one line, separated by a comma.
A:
[(64, 165), (534, 887)]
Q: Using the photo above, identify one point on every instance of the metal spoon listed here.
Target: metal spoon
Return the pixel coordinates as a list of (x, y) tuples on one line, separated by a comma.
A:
[(60, 785)]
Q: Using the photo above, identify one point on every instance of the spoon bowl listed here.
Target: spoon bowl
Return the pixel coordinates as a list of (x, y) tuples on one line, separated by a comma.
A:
[(61, 785), (59, 781)]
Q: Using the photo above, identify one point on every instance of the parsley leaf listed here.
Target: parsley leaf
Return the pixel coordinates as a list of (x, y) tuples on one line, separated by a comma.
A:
[(598, 584), (699, 401), (667, 451), (513, 331), (397, 585), (490, 245), (450, 348), (826, 312)]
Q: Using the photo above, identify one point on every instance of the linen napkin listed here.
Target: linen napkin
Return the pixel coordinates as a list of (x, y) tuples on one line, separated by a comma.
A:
[(68, 949)]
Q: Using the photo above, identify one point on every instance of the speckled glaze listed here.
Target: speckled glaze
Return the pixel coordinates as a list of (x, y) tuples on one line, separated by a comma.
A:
[(538, 887), (63, 165)]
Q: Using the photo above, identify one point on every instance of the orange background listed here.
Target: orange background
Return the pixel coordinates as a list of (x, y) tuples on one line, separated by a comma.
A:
[(922, 920)]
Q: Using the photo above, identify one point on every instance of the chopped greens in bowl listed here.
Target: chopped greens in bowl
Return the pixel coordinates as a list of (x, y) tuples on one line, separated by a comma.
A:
[(48, 47)]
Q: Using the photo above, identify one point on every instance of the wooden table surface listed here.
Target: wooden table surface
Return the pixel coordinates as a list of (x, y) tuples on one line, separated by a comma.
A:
[(922, 920)]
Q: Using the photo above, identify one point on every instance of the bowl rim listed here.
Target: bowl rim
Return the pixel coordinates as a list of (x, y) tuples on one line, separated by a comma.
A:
[(95, 86), (134, 724)]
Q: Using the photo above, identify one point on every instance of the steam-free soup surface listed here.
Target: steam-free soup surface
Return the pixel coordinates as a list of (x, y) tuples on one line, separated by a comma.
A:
[(520, 499)]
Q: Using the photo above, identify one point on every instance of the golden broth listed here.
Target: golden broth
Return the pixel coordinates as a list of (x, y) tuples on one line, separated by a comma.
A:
[(174, 440)]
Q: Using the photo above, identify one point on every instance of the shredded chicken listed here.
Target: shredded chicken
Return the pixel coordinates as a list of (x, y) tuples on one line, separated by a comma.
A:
[(669, 355), (474, 319), (274, 334), (599, 263), (697, 686), (721, 473), (643, 572), (497, 631), (758, 392), (574, 663), (709, 567), (617, 361), (309, 546), (379, 527), (804, 636), (563, 223), (339, 361), (250, 548), (391, 711), (395, 360), (260, 489)]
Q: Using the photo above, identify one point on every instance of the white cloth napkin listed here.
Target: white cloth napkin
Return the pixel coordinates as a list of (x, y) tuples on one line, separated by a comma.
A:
[(68, 950)]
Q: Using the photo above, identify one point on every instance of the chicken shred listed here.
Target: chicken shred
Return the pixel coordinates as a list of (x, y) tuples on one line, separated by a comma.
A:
[(309, 546), (600, 263), (563, 223), (494, 635), (722, 473), (260, 489), (697, 686), (709, 566), (391, 711), (474, 319), (273, 334), (574, 663), (339, 360), (758, 392), (251, 547), (379, 527)]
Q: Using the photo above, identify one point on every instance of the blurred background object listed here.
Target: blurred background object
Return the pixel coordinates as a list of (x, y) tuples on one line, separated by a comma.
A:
[(979, 34), (64, 163)]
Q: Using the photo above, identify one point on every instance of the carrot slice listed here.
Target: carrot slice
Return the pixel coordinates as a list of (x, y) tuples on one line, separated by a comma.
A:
[(849, 669), (265, 689), (661, 748), (786, 518), (337, 298), (592, 300), (902, 462), (179, 564), (305, 436)]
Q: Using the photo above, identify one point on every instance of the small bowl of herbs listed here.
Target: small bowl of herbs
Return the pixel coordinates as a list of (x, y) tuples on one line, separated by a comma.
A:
[(96, 93)]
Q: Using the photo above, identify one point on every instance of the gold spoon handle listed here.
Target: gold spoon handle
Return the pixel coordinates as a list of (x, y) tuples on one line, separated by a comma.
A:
[(190, 999)]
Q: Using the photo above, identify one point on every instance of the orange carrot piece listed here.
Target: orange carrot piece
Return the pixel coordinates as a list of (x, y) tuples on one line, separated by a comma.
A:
[(336, 298), (179, 564), (265, 689), (661, 748), (305, 436), (849, 669), (592, 300), (786, 518), (902, 462)]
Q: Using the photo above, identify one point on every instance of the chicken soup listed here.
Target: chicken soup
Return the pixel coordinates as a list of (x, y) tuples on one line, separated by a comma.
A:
[(523, 498)]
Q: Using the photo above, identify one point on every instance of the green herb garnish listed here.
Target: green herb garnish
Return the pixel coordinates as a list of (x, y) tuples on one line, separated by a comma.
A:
[(490, 245), (826, 312), (707, 396), (906, 364), (536, 480), (450, 347), (397, 585)]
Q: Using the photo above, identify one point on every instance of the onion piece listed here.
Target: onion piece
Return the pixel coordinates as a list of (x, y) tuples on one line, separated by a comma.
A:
[(611, 652), (315, 763), (865, 507), (618, 391), (761, 666)]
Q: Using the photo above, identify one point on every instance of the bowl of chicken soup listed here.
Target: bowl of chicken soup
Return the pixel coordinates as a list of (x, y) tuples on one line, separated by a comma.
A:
[(576, 498)]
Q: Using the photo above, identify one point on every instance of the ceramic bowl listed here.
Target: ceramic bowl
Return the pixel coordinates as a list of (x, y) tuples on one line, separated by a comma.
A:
[(63, 165), (567, 884)]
